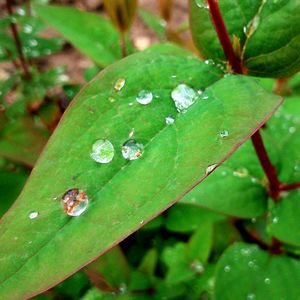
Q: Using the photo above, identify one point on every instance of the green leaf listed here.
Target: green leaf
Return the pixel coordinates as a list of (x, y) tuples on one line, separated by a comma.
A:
[(187, 218), (154, 22), (284, 127), (124, 194), (247, 272), (253, 22), (240, 175), (93, 35), (11, 184), (22, 141)]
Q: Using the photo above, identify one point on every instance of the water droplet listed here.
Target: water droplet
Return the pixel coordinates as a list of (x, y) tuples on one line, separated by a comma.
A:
[(227, 269), (242, 172), (267, 280), (132, 150), (251, 263), (202, 4), (204, 97), (119, 84), (144, 97), (33, 43), (33, 215), (210, 168), (250, 296), (122, 288), (169, 120), (74, 202), (173, 76), (183, 96), (21, 12), (27, 28), (253, 220), (102, 151), (197, 267), (142, 222), (224, 133), (275, 220), (245, 251), (111, 99), (292, 130), (130, 103)]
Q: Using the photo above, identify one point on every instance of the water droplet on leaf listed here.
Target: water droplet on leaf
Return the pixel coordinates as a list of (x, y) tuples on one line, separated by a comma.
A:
[(102, 151), (267, 280), (119, 84), (27, 28), (132, 150), (197, 267), (144, 97), (33, 215), (227, 269), (74, 202), (242, 172), (169, 120), (210, 168), (250, 296), (183, 96), (224, 133)]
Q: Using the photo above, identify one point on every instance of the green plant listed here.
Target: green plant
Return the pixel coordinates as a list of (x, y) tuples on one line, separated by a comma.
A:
[(173, 128)]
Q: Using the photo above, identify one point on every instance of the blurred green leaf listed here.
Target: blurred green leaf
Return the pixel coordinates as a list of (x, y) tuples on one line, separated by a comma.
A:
[(186, 218), (93, 35), (247, 272)]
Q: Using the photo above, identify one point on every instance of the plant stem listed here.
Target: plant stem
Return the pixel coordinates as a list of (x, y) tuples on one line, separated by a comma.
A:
[(236, 65), (270, 171), (16, 37), (288, 187), (233, 60)]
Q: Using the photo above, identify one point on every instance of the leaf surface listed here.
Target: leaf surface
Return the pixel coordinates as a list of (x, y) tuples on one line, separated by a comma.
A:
[(124, 195), (253, 23), (247, 272)]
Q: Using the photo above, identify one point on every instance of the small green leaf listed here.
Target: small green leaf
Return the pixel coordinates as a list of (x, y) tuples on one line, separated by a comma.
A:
[(93, 35), (187, 218), (247, 272), (124, 194)]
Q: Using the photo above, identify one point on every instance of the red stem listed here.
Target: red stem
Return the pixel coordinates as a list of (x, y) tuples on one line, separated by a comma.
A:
[(266, 164), (288, 187), (233, 60), (236, 65), (16, 37)]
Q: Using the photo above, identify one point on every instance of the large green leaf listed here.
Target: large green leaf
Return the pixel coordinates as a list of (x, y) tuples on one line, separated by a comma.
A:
[(247, 272), (254, 23), (90, 33), (37, 253)]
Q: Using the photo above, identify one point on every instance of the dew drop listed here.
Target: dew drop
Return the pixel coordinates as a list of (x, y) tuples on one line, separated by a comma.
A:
[(250, 296), (197, 267), (183, 96), (33, 43), (210, 168), (144, 97), (111, 99), (33, 215), (102, 151), (242, 172), (119, 84), (202, 4), (251, 263), (267, 280), (292, 130), (169, 120), (27, 28), (132, 150), (275, 220), (227, 269), (130, 103), (74, 202), (224, 133)]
